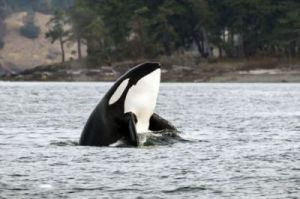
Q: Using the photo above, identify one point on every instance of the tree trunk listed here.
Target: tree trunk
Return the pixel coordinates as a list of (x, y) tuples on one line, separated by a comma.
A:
[(220, 52), (206, 46), (233, 50), (62, 49), (293, 48), (79, 48), (241, 46), (199, 44)]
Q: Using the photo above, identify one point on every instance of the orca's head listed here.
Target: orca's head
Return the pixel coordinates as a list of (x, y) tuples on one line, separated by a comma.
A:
[(138, 90), (141, 71)]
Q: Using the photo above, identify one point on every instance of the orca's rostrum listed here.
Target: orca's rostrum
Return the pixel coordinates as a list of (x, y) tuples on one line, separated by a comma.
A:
[(127, 109)]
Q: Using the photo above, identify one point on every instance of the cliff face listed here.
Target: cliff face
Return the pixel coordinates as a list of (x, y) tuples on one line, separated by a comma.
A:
[(23, 53)]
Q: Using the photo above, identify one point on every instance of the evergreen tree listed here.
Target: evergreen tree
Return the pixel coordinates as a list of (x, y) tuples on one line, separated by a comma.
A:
[(80, 18), (287, 31), (115, 29), (57, 31)]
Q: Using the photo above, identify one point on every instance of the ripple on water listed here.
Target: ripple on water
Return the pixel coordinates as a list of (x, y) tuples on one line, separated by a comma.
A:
[(239, 141)]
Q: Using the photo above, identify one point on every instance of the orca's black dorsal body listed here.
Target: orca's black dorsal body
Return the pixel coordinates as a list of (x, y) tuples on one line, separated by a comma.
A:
[(126, 109)]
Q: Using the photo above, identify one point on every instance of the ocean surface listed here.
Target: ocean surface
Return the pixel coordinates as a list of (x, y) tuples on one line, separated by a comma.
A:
[(243, 142)]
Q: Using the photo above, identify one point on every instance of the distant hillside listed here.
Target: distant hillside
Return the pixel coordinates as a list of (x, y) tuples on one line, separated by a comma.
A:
[(22, 53)]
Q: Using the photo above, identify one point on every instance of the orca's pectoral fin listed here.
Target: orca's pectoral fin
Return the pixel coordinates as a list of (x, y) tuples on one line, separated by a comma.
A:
[(157, 123), (131, 121)]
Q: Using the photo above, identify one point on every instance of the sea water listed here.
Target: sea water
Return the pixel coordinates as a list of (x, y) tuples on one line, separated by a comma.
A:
[(243, 142)]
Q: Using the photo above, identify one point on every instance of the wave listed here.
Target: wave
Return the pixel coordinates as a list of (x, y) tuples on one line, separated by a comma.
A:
[(64, 143), (165, 137), (157, 138)]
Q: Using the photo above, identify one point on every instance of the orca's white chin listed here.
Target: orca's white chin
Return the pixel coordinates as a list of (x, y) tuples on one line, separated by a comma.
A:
[(141, 99)]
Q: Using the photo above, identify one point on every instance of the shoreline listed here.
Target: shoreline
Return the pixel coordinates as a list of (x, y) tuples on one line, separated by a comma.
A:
[(245, 71), (232, 77)]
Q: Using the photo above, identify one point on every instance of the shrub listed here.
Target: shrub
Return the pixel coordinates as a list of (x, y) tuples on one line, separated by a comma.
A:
[(30, 30)]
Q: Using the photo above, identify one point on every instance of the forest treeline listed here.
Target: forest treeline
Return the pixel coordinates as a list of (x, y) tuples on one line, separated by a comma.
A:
[(116, 30)]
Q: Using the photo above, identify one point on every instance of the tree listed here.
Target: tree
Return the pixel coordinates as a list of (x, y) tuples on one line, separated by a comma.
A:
[(116, 16), (162, 30), (287, 30), (179, 24), (98, 42), (80, 17), (2, 33), (196, 24), (3, 10), (57, 31), (143, 41), (115, 29)]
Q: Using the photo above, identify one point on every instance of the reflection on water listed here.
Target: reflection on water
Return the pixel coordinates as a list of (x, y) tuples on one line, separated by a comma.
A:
[(243, 142)]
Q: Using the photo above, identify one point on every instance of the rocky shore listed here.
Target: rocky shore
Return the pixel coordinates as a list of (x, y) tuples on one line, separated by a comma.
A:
[(204, 72)]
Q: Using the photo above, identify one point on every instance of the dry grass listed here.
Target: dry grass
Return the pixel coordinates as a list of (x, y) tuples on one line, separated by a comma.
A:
[(26, 53)]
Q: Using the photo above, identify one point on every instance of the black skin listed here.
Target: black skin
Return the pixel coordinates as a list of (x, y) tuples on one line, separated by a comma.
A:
[(108, 123), (133, 138)]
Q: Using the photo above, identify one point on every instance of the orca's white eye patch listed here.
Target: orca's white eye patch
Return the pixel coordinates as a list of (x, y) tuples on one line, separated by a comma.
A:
[(118, 92)]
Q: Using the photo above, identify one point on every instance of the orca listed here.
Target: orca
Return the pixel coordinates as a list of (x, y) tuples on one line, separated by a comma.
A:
[(127, 109)]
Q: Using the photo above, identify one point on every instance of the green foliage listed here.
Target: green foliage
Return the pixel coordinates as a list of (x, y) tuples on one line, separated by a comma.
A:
[(287, 30), (117, 30), (56, 27), (2, 33), (57, 30), (61, 4), (29, 30)]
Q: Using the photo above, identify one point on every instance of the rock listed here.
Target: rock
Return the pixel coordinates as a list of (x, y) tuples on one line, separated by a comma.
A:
[(181, 68)]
